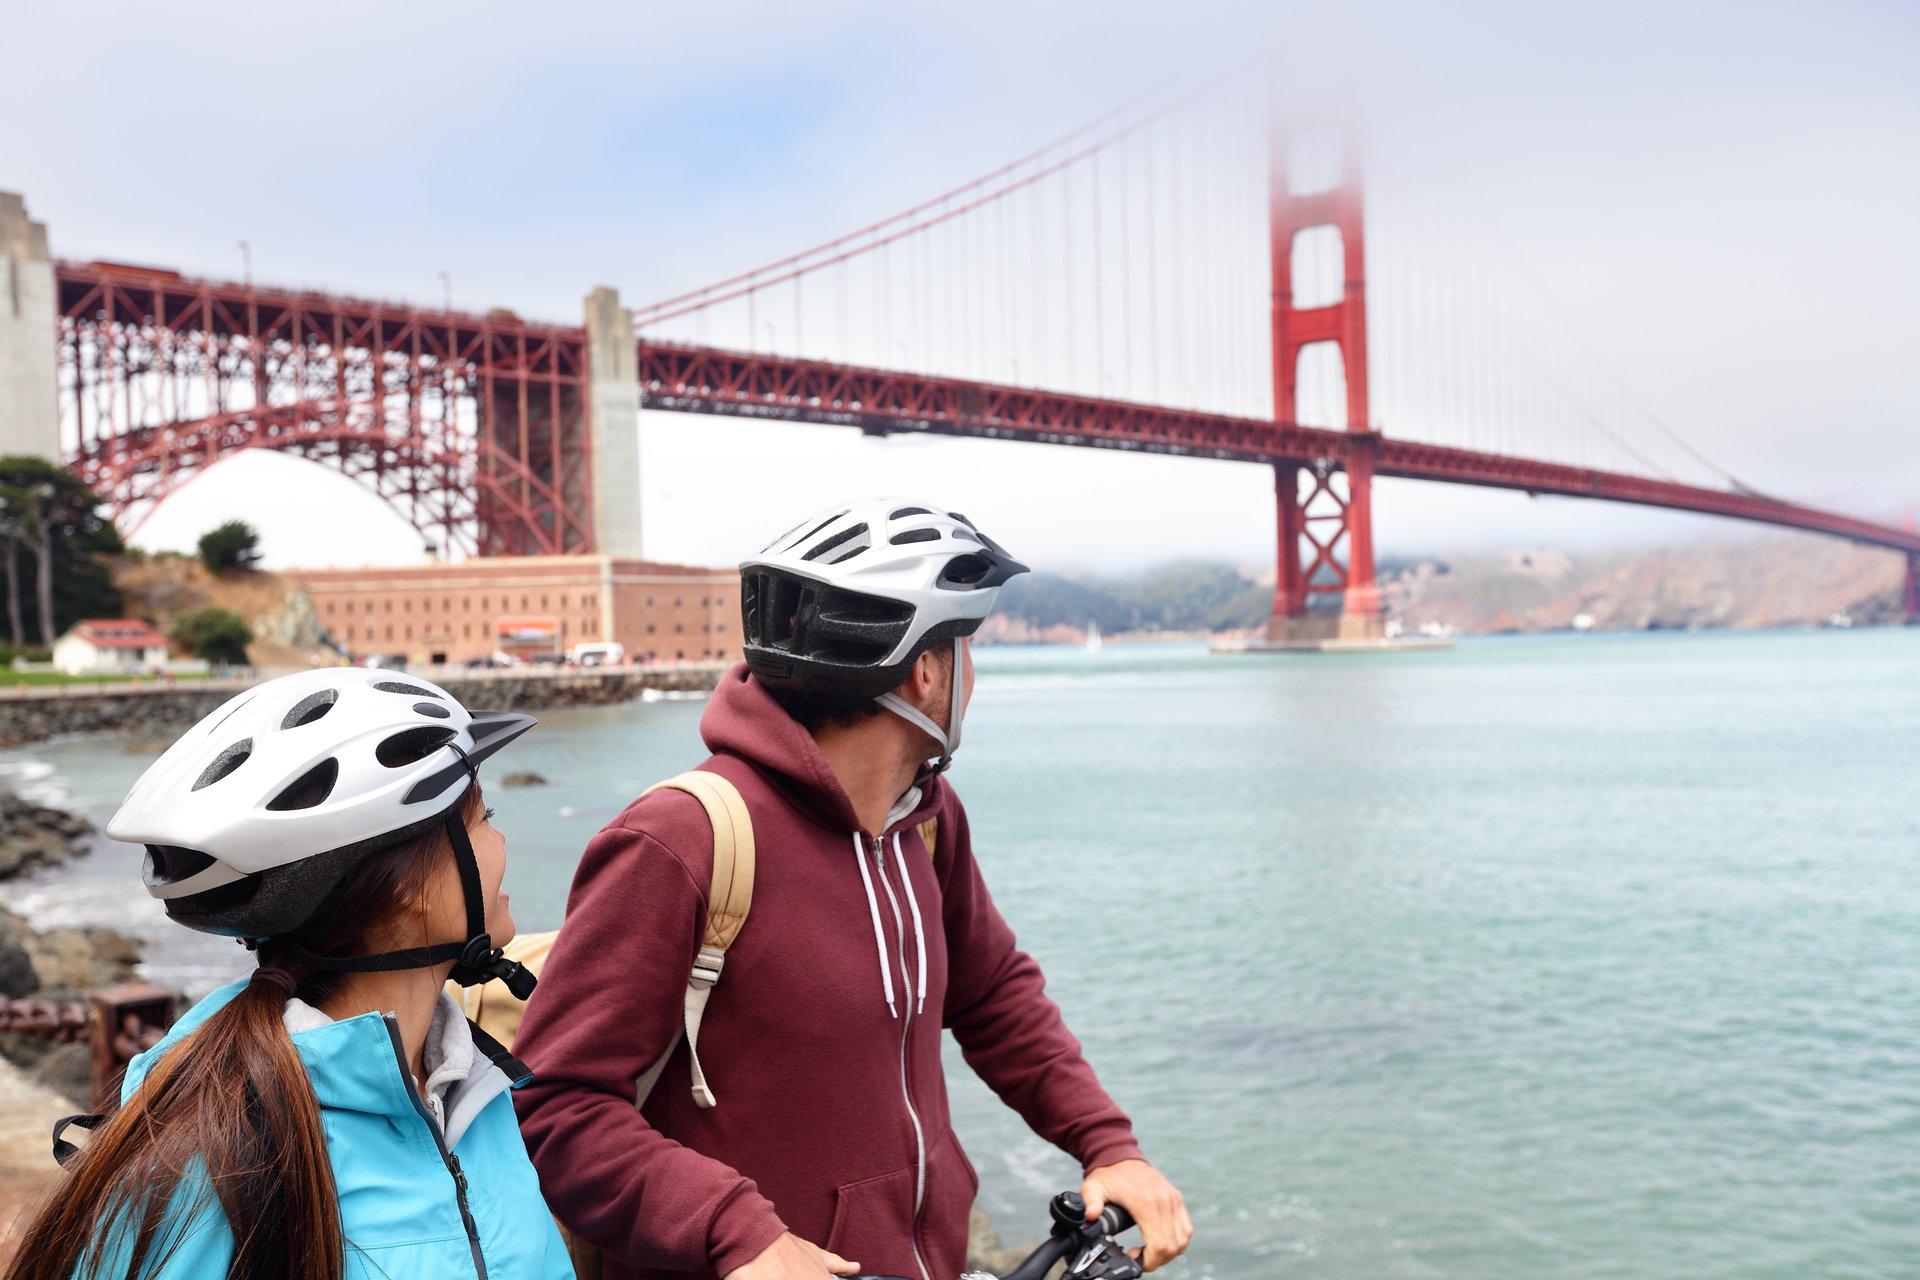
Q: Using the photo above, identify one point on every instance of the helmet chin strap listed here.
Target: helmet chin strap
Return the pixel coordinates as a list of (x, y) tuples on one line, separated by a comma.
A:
[(949, 738), (476, 960)]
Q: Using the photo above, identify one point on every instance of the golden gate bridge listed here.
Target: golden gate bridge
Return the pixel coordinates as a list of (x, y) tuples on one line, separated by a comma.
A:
[(1177, 277)]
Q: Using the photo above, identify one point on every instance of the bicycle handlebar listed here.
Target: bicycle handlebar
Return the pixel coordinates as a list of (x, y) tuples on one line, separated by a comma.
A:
[(1089, 1244)]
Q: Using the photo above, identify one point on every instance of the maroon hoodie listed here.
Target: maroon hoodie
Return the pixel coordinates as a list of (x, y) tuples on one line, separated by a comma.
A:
[(832, 1119)]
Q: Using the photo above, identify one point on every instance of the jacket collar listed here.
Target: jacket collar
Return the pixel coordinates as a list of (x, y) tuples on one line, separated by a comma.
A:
[(351, 1063), (742, 719)]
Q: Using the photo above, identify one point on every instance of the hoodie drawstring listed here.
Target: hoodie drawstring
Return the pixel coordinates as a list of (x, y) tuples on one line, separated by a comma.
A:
[(879, 938), (919, 932)]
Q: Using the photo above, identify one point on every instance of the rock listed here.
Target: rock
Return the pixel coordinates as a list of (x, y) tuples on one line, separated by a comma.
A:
[(984, 1250), (34, 836), (67, 1069), (17, 977), (523, 778), (72, 964)]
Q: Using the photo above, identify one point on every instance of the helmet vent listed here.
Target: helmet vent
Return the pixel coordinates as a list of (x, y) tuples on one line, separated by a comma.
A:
[(963, 520), (309, 790), (839, 540), (310, 708), (410, 746), (914, 535), (963, 572), (433, 709), (400, 686), (168, 863), (817, 528), (224, 763), (904, 512)]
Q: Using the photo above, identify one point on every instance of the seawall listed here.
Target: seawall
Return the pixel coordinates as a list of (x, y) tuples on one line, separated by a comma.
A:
[(153, 710)]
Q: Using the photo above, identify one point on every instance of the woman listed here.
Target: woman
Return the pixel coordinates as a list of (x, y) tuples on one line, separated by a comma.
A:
[(332, 1115)]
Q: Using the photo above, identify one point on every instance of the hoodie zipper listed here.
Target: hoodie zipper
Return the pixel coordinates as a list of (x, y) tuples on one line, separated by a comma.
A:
[(906, 1026), (447, 1157)]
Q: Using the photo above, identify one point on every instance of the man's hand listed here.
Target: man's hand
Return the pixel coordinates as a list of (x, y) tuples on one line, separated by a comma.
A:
[(1155, 1204), (791, 1258)]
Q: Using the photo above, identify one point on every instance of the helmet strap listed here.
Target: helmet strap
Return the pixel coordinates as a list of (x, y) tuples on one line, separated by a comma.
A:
[(476, 960), (948, 738), (480, 961)]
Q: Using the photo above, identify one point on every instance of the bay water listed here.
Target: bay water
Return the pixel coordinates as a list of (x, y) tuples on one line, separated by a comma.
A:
[(1591, 956)]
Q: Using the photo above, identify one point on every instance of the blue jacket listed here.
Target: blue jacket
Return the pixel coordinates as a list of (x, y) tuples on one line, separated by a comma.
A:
[(401, 1190)]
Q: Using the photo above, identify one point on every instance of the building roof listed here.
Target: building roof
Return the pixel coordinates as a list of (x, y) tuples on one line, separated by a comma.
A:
[(118, 633)]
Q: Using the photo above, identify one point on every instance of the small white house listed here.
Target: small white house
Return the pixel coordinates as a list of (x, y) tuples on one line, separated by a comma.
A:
[(107, 646)]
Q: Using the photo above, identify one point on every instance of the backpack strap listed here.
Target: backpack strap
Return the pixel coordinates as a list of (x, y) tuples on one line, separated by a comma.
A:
[(729, 898)]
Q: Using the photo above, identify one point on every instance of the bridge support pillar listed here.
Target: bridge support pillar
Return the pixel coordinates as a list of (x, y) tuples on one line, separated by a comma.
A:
[(1913, 588), (1325, 547), (29, 336), (1289, 587), (614, 407)]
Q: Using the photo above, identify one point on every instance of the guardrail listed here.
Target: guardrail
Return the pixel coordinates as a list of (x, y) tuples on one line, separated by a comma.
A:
[(116, 1024)]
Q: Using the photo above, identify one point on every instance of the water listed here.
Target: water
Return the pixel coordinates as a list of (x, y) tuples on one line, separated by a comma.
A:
[(1584, 957)]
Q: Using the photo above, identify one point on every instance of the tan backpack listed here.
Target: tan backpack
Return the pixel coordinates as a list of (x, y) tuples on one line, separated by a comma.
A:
[(730, 896)]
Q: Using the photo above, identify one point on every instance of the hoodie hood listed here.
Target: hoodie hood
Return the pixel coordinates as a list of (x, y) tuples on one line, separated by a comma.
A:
[(744, 720)]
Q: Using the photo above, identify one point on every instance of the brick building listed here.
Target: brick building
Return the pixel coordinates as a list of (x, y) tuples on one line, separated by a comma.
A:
[(526, 604)]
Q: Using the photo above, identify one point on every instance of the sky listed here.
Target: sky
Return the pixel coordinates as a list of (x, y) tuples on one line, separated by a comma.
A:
[(1717, 202)]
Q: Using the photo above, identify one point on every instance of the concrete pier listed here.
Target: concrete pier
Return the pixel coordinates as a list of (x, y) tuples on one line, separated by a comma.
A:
[(29, 403), (614, 407)]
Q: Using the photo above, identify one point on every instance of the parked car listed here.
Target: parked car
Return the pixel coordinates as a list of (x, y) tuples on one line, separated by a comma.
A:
[(490, 660), (610, 653), (385, 661), (547, 659)]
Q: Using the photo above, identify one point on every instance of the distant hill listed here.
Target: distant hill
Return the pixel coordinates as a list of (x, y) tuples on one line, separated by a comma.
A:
[(1177, 598), (1780, 580), (1774, 581)]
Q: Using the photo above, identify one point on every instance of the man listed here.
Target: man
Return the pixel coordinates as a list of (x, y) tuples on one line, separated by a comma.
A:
[(827, 1148)]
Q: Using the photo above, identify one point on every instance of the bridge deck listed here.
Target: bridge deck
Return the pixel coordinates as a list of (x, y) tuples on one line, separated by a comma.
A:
[(707, 380)]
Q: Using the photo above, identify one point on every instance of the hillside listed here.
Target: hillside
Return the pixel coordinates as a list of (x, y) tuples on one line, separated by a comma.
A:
[(1781, 580), (1778, 581), (161, 588)]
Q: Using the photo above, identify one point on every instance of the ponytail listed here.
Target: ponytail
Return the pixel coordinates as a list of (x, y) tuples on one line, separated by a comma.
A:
[(227, 1117), (232, 1105)]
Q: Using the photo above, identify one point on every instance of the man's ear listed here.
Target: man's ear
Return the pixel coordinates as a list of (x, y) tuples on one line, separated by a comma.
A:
[(923, 678)]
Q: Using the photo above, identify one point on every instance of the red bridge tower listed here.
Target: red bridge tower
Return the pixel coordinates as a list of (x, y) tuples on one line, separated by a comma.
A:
[(1325, 504)]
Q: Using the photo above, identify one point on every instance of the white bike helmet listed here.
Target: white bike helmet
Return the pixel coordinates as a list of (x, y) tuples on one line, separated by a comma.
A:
[(844, 601), (256, 819)]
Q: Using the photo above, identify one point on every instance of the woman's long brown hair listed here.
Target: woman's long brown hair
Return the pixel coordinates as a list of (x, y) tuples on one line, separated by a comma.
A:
[(230, 1104)]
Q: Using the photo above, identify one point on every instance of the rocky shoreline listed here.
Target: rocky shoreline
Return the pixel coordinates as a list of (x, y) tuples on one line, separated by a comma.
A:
[(56, 965), (161, 711)]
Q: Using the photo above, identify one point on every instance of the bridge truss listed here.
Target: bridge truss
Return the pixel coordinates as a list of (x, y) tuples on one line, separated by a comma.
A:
[(473, 427)]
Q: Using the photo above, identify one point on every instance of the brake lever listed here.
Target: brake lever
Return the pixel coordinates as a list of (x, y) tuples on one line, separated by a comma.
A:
[(1102, 1259), (1095, 1254)]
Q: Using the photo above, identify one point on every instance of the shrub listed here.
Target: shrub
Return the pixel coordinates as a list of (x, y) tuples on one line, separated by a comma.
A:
[(213, 633), (234, 545)]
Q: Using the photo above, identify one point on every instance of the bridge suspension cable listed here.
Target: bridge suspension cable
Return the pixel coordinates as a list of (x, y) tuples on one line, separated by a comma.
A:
[(1112, 262)]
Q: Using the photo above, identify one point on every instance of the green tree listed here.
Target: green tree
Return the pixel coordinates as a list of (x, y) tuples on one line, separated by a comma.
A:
[(54, 539), (234, 545), (213, 633)]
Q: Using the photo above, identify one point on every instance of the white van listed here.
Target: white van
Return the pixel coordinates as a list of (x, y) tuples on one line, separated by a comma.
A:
[(609, 653)]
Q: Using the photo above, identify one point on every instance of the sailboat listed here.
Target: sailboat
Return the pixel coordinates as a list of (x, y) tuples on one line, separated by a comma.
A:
[(1093, 636)]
